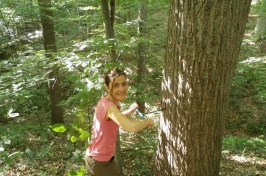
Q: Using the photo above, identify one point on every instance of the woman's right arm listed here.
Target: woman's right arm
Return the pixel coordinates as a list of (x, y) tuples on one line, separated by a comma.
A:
[(126, 123)]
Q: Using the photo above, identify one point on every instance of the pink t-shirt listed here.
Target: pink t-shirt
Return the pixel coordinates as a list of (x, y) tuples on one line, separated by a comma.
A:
[(102, 147)]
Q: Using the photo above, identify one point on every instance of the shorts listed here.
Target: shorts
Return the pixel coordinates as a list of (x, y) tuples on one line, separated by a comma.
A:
[(102, 168)]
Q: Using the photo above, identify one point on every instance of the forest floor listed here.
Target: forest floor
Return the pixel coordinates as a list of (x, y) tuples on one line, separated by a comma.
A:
[(45, 153)]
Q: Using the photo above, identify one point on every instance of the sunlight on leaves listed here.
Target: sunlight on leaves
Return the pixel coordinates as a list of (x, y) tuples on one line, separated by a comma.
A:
[(80, 173), (2, 149), (14, 155), (58, 127), (73, 139), (12, 115)]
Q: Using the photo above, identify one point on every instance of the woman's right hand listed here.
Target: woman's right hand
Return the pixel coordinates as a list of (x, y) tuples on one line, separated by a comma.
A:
[(150, 123), (133, 107)]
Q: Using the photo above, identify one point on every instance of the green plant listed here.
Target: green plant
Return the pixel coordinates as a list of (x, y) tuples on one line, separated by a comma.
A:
[(242, 145), (254, 128), (81, 172), (6, 157), (24, 86), (250, 75)]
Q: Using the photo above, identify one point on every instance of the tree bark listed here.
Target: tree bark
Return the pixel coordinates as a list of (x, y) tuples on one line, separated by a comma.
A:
[(108, 19), (49, 42), (260, 29), (142, 19), (203, 44)]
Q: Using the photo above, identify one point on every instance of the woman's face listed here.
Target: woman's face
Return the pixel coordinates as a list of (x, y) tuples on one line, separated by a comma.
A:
[(119, 88)]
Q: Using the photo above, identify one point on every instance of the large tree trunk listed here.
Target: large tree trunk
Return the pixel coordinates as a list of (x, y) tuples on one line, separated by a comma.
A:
[(55, 91), (203, 44), (142, 19), (108, 19)]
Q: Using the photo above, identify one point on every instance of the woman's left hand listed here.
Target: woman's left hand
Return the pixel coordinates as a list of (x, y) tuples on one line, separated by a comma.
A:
[(133, 107)]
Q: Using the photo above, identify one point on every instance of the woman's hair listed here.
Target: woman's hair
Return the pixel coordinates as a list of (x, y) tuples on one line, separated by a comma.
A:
[(113, 73)]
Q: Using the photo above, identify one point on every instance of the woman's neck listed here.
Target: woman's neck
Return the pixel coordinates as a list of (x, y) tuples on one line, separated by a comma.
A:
[(112, 99)]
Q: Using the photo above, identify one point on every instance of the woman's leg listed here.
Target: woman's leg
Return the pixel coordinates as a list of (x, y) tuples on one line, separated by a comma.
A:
[(100, 168), (108, 168)]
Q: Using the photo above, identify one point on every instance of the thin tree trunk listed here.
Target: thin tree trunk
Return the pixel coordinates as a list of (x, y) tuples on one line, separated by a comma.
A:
[(204, 39), (118, 153), (108, 19), (55, 91), (142, 19), (260, 30)]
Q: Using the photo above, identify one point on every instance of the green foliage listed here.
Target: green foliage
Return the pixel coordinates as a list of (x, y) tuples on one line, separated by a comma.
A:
[(254, 128), (29, 142), (75, 19), (80, 58), (250, 79), (7, 140), (249, 85), (139, 152), (81, 172), (59, 128), (242, 145), (6, 157), (23, 86), (76, 132), (84, 87)]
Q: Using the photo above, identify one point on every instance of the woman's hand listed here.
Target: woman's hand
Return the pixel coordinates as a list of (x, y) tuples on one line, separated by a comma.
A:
[(131, 110), (133, 107), (150, 122)]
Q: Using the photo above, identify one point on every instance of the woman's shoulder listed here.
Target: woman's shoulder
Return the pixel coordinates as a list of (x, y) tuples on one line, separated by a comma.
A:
[(103, 105), (106, 101)]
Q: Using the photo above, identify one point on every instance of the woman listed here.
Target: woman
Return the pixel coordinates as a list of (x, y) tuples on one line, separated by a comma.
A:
[(107, 120)]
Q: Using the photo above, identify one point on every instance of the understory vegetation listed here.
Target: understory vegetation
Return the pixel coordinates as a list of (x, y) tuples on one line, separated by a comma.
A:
[(28, 144)]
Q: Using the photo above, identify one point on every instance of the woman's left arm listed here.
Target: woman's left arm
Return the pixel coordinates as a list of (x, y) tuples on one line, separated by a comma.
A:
[(131, 110)]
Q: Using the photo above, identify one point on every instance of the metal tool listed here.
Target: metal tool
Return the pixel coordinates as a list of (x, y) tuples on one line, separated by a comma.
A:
[(143, 115)]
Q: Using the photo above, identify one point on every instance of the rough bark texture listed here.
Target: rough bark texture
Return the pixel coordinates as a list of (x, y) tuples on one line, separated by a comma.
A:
[(204, 39), (55, 91)]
